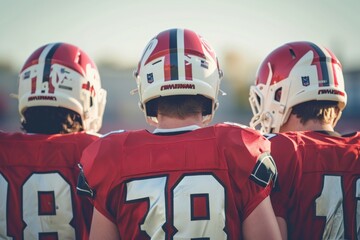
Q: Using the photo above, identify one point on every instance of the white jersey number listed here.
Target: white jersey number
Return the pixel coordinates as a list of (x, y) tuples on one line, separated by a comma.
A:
[(3, 207), (330, 205), (184, 194), (52, 190)]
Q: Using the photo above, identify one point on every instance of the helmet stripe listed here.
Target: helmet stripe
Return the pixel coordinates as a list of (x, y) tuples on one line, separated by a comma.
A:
[(183, 68), (324, 74), (192, 46), (47, 66), (174, 72)]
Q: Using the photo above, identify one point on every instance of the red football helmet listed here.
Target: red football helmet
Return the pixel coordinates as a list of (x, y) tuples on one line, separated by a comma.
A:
[(62, 75), (178, 62), (294, 73)]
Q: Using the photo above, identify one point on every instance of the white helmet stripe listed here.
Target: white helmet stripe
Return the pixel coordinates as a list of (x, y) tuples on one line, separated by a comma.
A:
[(181, 53)]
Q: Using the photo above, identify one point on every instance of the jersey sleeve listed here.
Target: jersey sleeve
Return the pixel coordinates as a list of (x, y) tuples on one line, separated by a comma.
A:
[(97, 175), (260, 183), (251, 166), (285, 154)]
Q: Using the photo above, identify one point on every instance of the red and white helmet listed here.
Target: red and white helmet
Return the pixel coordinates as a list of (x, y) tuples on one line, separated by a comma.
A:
[(62, 75), (294, 73), (178, 62)]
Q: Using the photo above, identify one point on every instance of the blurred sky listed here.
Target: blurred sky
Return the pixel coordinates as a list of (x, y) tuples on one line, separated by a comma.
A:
[(118, 30)]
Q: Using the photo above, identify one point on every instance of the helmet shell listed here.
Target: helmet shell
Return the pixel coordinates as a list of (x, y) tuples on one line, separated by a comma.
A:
[(294, 73), (62, 75), (178, 62)]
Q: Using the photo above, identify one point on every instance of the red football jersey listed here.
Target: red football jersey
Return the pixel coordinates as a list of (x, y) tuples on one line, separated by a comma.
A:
[(38, 177), (318, 188), (193, 185)]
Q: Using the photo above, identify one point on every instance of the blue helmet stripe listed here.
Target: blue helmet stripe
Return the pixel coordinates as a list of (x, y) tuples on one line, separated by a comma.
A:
[(174, 72), (323, 65)]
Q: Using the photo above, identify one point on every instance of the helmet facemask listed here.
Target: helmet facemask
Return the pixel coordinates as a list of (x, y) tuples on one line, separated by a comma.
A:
[(271, 113)]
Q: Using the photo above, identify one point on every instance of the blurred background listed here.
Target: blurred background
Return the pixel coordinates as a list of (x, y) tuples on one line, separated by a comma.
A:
[(114, 34)]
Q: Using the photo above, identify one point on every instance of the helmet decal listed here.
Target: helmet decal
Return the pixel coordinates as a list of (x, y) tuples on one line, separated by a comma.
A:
[(89, 87)]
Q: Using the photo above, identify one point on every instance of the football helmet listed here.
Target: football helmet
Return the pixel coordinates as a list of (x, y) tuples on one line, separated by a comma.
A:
[(178, 62), (294, 73), (62, 75)]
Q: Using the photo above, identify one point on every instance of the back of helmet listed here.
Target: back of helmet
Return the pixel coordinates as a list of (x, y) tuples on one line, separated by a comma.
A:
[(178, 62), (294, 73), (62, 75)]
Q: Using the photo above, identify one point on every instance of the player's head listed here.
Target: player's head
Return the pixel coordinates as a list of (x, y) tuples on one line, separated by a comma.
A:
[(61, 76), (178, 62), (293, 74)]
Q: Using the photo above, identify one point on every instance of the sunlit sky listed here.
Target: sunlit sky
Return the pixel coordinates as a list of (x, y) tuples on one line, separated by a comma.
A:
[(118, 30)]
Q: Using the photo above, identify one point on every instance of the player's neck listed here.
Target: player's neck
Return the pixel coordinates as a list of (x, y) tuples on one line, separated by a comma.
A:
[(165, 122), (294, 124)]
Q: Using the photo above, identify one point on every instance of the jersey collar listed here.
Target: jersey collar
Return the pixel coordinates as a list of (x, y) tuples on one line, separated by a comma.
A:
[(180, 129)]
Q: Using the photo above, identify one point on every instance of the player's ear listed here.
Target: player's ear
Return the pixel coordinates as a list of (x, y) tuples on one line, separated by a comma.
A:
[(152, 121), (206, 120)]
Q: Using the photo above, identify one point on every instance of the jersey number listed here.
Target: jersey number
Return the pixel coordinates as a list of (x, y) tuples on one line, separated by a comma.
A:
[(37, 191), (330, 205), (184, 194)]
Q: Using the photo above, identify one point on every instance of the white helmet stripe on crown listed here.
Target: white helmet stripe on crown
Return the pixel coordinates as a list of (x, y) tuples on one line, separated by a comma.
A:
[(181, 47)]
